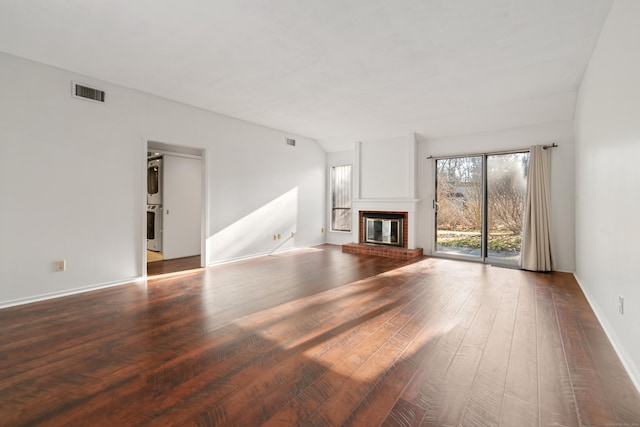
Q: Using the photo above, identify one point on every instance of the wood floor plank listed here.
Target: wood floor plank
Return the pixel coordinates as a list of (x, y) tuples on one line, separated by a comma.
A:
[(484, 406), (288, 376), (592, 401), (449, 405), (307, 402), (173, 265), (255, 342), (316, 337), (384, 395), (424, 388), (373, 359), (520, 405), (557, 405)]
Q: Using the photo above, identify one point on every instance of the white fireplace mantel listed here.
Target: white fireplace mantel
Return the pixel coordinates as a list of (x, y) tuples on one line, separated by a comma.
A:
[(387, 205), (385, 180)]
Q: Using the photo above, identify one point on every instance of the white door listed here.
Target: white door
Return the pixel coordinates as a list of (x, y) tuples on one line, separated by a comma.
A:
[(182, 206)]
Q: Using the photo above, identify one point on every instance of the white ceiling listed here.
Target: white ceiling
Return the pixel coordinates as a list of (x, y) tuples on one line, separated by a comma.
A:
[(333, 70)]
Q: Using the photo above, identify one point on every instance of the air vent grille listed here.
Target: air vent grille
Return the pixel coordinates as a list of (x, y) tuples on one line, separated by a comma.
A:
[(86, 92), (291, 142)]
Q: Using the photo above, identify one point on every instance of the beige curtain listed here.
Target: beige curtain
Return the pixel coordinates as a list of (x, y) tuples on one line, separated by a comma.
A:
[(536, 234)]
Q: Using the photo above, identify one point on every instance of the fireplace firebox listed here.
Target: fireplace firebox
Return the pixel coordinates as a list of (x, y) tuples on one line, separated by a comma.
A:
[(383, 229)]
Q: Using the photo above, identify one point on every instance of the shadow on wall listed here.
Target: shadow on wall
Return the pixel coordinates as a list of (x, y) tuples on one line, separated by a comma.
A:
[(263, 231)]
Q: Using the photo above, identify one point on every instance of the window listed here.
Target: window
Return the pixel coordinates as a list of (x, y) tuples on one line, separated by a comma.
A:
[(341, 198)]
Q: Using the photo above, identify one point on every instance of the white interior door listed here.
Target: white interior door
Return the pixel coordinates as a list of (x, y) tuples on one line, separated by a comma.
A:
[(182, 206)]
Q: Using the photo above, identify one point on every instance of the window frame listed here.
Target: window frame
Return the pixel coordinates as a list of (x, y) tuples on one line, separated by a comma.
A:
[(333, 207)]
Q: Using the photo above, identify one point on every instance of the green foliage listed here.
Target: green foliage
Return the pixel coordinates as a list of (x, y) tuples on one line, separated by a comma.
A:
[(460, 240), (497, 242), (505, 243)]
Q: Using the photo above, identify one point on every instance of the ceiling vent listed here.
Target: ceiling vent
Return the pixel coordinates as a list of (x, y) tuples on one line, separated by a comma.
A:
[(79, 90), (291, 142)]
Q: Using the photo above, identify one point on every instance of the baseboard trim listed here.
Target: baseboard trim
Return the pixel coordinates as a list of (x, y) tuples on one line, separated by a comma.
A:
[(52, 295), (261, 254), (627, 362)]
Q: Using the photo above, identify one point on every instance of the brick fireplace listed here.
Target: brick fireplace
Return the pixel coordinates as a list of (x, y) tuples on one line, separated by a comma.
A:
[(385, 208), (384, 182)]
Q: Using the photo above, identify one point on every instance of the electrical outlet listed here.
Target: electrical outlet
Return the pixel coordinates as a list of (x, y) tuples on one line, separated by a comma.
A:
[(322, 230), (620, 304), (293, 234), (275, 237), (279, 236), (61, 265)]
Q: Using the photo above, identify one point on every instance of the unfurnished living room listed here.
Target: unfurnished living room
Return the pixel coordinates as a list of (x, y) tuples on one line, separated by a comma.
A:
[(322, 213)]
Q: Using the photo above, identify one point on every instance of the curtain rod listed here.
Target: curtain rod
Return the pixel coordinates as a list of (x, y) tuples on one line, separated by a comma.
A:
[(545, 147)]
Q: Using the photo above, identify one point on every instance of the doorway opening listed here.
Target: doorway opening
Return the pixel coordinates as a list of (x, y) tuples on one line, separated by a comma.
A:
[(175, 192), (479, 206)]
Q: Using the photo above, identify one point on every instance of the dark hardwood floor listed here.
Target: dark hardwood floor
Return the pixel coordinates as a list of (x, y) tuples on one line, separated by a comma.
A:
[(157, 268), (320, 338)]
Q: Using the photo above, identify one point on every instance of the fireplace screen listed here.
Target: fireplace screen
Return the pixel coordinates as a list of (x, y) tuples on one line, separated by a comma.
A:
[(383, 231)]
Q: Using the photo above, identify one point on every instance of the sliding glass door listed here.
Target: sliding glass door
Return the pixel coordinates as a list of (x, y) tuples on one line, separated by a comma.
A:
[(459, 189), (479, 206), (506, 193)]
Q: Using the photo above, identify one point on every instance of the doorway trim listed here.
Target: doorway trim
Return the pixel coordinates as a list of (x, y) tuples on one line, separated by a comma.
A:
[(183, 151)]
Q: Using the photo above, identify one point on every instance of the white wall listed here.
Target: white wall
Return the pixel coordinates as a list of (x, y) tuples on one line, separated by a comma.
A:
[(337, 159), (72, 172), (608, 174), (562, 178), (386, 168)]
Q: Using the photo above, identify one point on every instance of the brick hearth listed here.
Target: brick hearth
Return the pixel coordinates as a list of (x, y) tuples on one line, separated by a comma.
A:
[(380, 250)]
